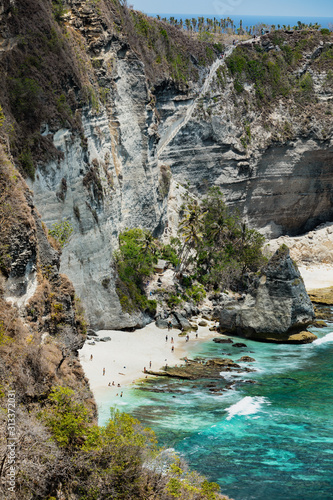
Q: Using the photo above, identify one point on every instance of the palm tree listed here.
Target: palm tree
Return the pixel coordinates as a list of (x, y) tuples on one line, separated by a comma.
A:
[(190, 228), (148, 242)]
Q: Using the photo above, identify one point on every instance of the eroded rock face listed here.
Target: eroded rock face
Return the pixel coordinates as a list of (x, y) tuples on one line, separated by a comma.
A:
[(276, 309), (145, 144)]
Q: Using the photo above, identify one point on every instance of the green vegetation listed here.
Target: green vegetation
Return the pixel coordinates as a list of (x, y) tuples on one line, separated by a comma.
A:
[(273, 73), (27, 163), (219, 249), (67, 419), (268, 73), (108, 462), (138, 253), (58, 7), (25, 95), (4, 338), (134, 262), (61, 232)]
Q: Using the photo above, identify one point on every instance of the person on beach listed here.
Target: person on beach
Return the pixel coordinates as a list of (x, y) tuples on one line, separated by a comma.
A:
[(169, 325), (113, 382), (196, 335), (144, 369), (172, 348), (91, 357), (109, 384), (103, 371), (118, 385), (166, 338), (149, 364), (171, 340), (166, 366)]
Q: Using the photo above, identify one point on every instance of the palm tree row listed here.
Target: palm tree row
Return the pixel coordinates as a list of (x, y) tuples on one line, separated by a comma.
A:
[(227, 25)]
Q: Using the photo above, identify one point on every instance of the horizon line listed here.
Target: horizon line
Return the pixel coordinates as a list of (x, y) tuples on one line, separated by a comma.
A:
[(248, 15)]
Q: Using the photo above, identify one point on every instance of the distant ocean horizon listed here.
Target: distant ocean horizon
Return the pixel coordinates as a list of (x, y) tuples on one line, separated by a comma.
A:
[(253, 20)]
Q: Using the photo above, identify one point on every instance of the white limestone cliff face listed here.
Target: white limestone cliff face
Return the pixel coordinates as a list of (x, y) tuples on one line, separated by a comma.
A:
[(102, 185), (273, 164), (136, 154)]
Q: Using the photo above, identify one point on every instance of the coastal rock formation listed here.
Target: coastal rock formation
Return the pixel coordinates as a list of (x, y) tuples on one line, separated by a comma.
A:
[(277, 308), (197, 369), (125, 135)]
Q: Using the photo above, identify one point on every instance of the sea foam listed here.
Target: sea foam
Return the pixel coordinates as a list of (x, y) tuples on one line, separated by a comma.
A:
[(323, 340), (246, 406)]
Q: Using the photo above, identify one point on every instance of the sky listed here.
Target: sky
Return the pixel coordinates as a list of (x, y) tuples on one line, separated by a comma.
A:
[(225, 8)]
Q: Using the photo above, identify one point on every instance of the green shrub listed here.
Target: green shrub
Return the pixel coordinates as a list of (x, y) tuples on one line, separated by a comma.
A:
[(196, 293), (61, 232), (67, 419), (27, 163), (25, 95), (134, 263)]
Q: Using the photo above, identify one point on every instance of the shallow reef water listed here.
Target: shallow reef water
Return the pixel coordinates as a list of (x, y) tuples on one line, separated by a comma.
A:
[(271, 439)]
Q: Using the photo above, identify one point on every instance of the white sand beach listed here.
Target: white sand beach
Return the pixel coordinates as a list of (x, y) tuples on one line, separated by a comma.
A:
[(128, 353), (317, 275)]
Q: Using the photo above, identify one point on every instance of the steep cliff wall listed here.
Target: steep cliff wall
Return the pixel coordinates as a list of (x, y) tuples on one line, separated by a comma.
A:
[(137, 116), (269, 148)]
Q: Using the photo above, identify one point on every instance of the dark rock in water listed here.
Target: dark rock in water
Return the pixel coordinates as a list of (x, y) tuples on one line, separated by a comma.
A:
[(276, 308), (324, 312), (319, 324), (161, 323), (245, 359), (239, 344), (219, 340), (194, 369)]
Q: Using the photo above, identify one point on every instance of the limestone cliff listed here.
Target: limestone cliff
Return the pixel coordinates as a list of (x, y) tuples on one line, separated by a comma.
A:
[(138, 114)]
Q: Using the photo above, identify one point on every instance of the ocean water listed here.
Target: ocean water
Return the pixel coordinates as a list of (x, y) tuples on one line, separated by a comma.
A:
[(272, 439), (253, 20)]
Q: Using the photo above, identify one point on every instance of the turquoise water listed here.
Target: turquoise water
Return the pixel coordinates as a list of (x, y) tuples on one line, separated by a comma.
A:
[(271, 439)]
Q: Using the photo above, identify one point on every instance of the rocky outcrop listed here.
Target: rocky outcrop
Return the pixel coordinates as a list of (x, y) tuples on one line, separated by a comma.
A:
[(134, 136), (277, 308), (322, 296), (194, 370), (38, 308)]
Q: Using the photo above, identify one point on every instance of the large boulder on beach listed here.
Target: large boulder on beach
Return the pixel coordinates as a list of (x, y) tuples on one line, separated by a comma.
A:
[(276, 308), (161, 323)]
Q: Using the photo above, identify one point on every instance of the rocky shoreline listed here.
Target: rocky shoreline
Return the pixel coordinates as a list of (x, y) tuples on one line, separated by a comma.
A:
[(276, 307)]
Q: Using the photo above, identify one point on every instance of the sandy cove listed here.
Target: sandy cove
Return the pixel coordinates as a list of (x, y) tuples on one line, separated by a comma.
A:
[(128, 353), (316, 275)]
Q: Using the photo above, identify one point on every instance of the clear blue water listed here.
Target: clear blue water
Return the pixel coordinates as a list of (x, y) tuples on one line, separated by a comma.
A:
[(269, 440), (253, 20)]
